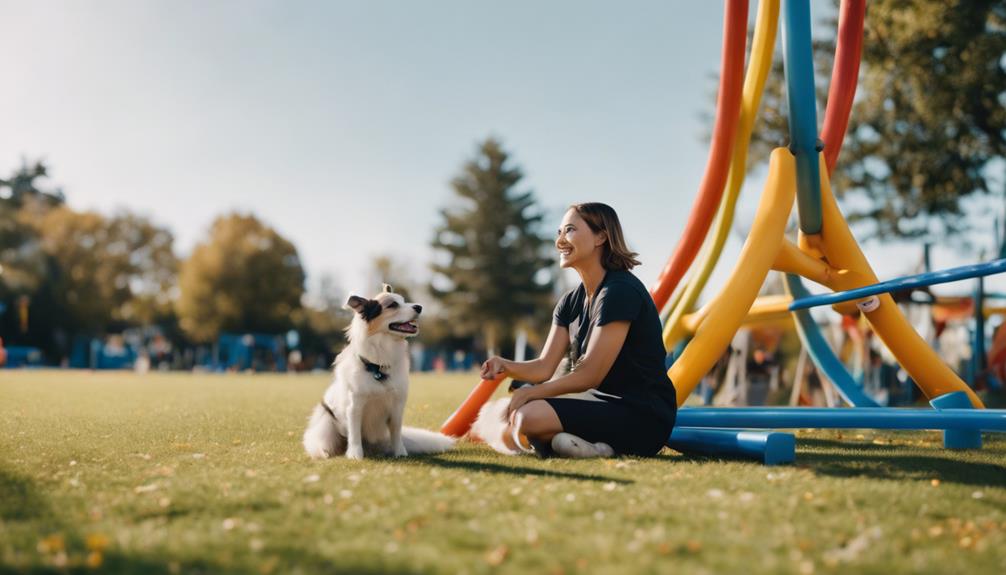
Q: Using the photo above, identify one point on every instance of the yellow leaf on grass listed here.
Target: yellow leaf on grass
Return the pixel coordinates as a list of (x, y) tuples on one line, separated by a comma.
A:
[(497, 556), (97, 542), (51, 544)]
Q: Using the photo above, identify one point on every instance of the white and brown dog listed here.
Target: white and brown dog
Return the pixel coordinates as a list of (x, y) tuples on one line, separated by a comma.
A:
[(361, 412)]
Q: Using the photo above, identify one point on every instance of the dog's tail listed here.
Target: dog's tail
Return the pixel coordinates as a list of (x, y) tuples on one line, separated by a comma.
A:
[(491, 424), (321, 435), (419, 441)]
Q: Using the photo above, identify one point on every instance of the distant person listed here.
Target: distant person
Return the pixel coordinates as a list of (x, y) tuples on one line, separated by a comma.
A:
[(294, 361), (610, 325), (3, 354)]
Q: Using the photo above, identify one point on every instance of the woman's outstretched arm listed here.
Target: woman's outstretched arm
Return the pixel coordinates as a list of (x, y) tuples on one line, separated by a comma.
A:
[(536, 370), (603, 348)]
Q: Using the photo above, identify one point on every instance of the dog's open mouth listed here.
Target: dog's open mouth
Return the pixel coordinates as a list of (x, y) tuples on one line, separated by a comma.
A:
[(409, 327)]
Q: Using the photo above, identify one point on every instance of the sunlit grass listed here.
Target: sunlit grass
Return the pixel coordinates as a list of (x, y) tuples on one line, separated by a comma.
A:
[(179, 473)]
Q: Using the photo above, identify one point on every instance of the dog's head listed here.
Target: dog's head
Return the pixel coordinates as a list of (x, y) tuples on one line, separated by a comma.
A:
[(387, 312)]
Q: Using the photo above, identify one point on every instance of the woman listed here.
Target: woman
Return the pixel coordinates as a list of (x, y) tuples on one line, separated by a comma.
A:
[(612, 330)]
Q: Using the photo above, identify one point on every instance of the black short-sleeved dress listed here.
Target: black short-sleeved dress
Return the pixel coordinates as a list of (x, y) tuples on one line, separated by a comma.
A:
[(638, 403)]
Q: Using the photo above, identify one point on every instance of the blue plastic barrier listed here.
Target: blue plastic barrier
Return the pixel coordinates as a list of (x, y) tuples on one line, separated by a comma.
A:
[(768, 447)]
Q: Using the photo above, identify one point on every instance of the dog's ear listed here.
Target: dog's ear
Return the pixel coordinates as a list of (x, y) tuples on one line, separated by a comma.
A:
[(367, 308), (387, 288)]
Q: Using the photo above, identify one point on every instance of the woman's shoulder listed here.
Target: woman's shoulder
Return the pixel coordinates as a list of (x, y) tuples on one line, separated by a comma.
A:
[(570, 299), (622, 297), (572, 294), (624, 280)]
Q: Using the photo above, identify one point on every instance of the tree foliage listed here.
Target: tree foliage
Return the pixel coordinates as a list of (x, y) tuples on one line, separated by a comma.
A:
[(387, 269), (245, 277), (321, 322), (22, 199), (107, 270), (76, 273), (928, 119), (493, 273)]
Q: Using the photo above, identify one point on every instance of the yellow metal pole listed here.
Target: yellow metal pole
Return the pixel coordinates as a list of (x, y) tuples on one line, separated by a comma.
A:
[(932, 376), (759, 65), (731, 305)]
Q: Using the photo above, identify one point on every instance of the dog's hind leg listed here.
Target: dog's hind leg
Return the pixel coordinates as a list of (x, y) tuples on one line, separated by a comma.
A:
[(321, 438), (354, 429)]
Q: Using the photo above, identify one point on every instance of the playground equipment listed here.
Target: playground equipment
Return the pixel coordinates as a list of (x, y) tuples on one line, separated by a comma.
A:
[(826, 252)]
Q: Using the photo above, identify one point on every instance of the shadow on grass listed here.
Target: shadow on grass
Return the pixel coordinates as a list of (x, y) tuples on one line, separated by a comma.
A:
[(519, 470), (285, 560), (176, 511), (680, 457), (20, 500), (991, 444), (893, 463)]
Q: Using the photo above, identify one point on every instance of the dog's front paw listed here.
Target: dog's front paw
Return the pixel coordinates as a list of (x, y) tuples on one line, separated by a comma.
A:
[(400, 451), (354, 452)]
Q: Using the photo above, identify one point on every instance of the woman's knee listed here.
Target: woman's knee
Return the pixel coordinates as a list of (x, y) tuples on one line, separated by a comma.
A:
[(537, 416)]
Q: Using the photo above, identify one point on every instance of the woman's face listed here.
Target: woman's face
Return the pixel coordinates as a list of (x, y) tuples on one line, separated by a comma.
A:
[(576, 242)]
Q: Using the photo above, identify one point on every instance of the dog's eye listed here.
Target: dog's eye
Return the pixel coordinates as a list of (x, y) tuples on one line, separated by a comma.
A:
[(393, 305)]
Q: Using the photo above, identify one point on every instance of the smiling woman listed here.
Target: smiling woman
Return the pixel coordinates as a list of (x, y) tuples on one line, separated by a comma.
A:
[(616, 398), (598, 218)]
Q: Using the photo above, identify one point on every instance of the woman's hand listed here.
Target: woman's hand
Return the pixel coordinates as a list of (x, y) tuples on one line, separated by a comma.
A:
[(493, 366), (520, 397)]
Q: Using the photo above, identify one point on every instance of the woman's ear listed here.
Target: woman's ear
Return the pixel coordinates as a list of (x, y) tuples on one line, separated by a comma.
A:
[(601, 238)]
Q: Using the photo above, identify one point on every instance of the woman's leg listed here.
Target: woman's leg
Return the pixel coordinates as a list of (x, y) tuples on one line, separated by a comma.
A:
[(627, 430), (538, 421)]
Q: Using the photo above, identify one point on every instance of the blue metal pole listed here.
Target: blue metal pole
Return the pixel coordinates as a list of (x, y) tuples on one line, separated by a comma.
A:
[(768, 447), (958, 438), (798, 58), (852, 418), (978, 348), (821, 354), (907, 282)]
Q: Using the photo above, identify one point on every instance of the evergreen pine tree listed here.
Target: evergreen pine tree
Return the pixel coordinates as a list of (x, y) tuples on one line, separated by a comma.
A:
[(496, 274)]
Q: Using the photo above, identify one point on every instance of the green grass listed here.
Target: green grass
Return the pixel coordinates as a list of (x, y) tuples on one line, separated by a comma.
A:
[(181, 473)]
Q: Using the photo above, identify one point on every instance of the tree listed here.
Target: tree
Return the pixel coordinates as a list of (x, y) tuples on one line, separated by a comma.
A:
[(494, 274), (386, 269), (22, 262), (928, 120), (21, 188), (75, 271), (245, 277), (321, 322), (106, 271)]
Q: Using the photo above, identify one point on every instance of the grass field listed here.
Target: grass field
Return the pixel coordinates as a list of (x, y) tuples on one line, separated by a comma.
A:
[(180, 473)]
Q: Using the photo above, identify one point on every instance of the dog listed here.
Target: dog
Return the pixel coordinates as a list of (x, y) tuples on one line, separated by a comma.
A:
[(361, 411)]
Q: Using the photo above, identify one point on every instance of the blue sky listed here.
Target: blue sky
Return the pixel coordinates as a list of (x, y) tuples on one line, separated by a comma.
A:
[(313, 114)]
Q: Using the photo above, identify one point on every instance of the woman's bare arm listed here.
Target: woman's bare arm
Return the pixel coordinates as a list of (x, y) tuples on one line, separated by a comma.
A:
[(605, 343), (536, 370)]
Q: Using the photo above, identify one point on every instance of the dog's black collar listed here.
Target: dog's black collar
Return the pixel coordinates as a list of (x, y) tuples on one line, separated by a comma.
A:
[(374, 369)]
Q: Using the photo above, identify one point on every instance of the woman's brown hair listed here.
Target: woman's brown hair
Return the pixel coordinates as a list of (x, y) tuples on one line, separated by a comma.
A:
[(602, 218)]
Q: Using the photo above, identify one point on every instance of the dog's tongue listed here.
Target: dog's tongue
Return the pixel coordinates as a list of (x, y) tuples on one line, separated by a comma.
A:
[(406, 327)]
